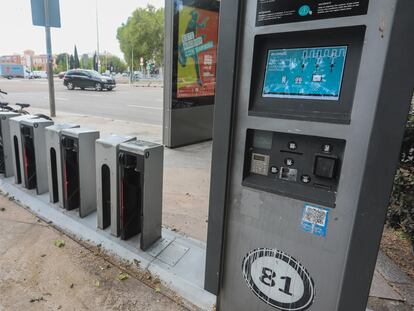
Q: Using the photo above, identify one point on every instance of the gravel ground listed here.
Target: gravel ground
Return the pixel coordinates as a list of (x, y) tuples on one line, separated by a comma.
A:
[(37, 274)]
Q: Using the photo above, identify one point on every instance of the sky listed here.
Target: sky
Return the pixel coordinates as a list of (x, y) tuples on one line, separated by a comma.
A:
[(78, 18)]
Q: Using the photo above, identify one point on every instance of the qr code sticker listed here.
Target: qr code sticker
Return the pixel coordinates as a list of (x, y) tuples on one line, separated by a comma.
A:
[(315, 216)]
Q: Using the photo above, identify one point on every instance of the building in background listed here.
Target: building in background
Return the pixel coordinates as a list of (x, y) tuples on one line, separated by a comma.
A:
[(11, 59)]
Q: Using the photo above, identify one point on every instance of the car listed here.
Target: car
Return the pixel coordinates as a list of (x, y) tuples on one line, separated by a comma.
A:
[(61, 75), (85, 79), (40, 74)]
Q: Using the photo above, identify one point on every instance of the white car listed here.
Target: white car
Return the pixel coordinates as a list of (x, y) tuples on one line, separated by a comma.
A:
[(40, 74)]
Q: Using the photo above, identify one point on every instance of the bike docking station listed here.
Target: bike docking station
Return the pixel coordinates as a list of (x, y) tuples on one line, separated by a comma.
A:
[(311, 106), (107, 194), (78, 159), (33, 144), (54, 161), (140, 191), (6, 154), (17, 150)]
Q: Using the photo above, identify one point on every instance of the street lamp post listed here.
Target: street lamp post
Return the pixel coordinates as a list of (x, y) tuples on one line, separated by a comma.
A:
[(49, 61), (97, 38)]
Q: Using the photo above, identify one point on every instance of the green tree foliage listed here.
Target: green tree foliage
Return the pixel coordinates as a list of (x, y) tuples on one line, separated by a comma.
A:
[(401, 210), (112, 63), (76, 62), (60, 62), (143, 34), (71, 62)]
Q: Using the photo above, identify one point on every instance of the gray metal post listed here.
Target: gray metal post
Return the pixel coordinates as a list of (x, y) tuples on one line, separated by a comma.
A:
[(49, 62)]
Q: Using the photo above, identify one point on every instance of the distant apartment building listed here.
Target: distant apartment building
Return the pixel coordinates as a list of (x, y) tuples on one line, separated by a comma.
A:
[(29, 59), (10, 59), (36, 62)]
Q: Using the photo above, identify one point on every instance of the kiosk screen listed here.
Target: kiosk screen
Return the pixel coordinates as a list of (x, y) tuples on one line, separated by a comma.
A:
[(305, 73)]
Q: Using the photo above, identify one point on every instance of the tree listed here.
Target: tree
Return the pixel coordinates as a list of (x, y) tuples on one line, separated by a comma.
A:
[(61, 62), (71, 62), (76, 59), (95, 62), (143, 36), (112, 63)]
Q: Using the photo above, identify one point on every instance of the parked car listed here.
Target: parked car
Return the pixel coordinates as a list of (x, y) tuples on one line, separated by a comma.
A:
[(85, 79), (61, 75), (40, 74)]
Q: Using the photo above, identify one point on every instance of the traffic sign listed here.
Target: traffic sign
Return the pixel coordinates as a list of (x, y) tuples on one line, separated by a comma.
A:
[(39, 13)]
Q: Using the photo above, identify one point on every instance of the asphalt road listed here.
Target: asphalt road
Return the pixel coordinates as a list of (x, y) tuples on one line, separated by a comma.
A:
[(129, 103)]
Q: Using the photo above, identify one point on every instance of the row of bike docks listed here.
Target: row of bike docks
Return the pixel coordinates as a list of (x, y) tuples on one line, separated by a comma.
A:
[(118, 177)]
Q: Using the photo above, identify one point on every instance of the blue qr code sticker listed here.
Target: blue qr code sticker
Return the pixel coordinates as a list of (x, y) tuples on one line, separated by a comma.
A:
[(315, 220)]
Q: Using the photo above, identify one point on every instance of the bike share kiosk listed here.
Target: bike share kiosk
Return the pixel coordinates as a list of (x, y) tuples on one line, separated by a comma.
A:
[(17, 150), (107, 180), (34, 158), (311, 105), (54, 161), (140, 191), (6, 155), (191, 32), (78, 159)]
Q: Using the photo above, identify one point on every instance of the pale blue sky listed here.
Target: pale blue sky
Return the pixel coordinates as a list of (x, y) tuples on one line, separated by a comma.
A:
[(78, 26)]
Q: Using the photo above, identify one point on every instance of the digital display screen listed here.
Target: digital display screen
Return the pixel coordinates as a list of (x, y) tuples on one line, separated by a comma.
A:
[(305, 73), (197, 51), (259, 158)]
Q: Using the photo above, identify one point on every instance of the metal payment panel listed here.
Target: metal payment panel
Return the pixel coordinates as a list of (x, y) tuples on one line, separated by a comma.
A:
[(54, 161), (140, 181), (79, 169), (17, 151), (107, 180), (6, 143), (34, 157), (306, 143)]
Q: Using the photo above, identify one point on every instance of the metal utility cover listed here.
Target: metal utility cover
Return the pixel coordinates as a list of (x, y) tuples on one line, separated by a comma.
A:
[(173, 253), (158, 247)]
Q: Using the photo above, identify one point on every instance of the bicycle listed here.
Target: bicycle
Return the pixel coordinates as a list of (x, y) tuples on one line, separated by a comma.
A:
[(4, 106)]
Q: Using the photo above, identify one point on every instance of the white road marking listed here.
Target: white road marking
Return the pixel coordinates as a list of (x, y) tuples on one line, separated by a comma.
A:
[(145, 107), (58, 98)]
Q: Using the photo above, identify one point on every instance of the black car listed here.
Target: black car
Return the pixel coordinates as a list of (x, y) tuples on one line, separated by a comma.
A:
[(85, 79)]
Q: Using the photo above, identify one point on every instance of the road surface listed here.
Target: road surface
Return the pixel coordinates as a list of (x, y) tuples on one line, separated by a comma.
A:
[(129, 103)]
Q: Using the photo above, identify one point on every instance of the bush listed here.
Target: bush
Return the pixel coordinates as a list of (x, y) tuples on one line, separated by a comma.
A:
[(401, 211)]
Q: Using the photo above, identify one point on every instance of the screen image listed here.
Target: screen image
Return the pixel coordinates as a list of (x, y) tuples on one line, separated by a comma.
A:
[(197, 52), (305, 73)]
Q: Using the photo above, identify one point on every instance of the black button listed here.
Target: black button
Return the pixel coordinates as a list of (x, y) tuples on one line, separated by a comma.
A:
[(292, 145), (289, 162), (274, 170), (327, 148), (306, 179), (325, 167)]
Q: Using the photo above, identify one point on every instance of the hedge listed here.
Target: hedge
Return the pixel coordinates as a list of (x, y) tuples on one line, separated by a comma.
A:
[(401, 210)]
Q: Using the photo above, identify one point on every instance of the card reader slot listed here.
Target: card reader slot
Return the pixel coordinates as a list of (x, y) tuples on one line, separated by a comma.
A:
[(291, 152), (329, 188)]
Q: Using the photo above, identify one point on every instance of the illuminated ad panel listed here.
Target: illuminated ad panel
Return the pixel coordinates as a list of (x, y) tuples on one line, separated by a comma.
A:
[(305, 73), (197, 52)]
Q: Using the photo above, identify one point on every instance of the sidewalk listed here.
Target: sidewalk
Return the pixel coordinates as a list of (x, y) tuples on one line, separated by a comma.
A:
[(35, 274), (186, 190)]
